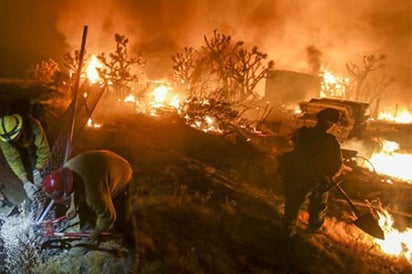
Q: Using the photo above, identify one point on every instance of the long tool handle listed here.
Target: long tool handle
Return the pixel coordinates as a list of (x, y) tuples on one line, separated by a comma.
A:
[(347, 198), (78, 234), (45, 211), (75, 96)]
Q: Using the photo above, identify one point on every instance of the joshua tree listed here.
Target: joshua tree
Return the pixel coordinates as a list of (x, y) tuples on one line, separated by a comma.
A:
[(71, 61), (221, 78), (246, 70), (184, 67), (119, 66), (225, 71), (359, 74), (219, 52)]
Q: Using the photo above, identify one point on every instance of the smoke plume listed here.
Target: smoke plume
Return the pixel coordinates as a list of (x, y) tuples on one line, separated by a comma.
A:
[(343, 31)]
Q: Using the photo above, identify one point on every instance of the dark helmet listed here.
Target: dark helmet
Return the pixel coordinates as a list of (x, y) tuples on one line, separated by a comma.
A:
[(58, 184), (328, 115)]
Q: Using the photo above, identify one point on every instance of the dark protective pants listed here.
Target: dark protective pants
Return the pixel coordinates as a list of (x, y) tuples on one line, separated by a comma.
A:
[(295, 194), (88, 216), (123, 225)]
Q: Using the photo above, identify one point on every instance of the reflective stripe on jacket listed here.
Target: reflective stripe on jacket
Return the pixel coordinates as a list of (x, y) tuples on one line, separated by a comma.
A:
[(37, 140)]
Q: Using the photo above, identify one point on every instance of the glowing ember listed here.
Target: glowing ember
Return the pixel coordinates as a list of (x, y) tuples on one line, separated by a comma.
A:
[(92, 124), (403, 117), (392, 163), (297, 111), (396, 243), (175, 102), (91, 70), (130, 98), (207, 124)]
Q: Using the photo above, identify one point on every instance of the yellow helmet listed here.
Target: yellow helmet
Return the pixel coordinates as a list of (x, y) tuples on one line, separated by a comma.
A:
[(10, 127)]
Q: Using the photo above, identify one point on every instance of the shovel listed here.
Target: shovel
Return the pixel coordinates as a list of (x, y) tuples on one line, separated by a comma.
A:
[(365, 222)]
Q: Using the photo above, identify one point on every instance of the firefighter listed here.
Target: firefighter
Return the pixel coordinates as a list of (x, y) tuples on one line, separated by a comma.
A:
[(307, 170), (93, 184), (25, 147)]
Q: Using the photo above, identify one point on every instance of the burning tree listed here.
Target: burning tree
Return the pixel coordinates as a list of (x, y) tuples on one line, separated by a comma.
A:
[(246, 70), (118, 67), (71, 61), (221, 79), (184, 67)]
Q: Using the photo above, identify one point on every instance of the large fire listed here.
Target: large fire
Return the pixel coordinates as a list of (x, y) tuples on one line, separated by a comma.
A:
[(332, 85), (91, 69), (392, 163), (161, 97), (403, 117), (396, 243)]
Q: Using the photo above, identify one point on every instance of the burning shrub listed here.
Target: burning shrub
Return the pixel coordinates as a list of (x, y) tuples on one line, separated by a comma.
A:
[(209, 114)]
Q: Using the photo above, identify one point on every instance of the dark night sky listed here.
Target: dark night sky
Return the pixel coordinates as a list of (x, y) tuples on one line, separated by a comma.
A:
[(343, 30)]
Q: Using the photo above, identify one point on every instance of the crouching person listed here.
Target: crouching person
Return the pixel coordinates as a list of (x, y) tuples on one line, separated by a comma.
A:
[(93, 184), (24, 144)]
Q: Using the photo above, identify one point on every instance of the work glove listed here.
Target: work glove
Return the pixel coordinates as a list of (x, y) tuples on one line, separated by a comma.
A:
[(31, 190), (71, 212), (37, 178)]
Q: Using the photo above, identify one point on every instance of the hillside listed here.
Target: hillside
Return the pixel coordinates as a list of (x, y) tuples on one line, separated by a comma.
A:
[(206, 204)]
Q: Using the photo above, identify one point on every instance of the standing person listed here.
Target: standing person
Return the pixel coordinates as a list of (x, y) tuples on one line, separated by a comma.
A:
[(24, 144), (308, 169), (94, 184)]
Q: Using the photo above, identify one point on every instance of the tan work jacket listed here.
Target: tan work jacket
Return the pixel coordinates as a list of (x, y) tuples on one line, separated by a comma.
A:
[(104, 174)]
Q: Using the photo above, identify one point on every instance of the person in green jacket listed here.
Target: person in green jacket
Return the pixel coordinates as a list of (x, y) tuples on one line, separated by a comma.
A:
[(25, 147), (94, 184)]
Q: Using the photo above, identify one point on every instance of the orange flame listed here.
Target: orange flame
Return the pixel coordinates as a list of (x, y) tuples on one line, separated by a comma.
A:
[(392, 163), (404, 117), (332, 85), (396, 243), (92, 124), (162, 98), (91, 70)]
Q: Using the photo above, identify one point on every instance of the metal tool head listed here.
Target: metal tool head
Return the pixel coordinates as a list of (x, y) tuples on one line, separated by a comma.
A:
[(369, 224)]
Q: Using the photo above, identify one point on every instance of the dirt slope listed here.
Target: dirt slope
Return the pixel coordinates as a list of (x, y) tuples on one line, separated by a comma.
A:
[(204, 204)]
